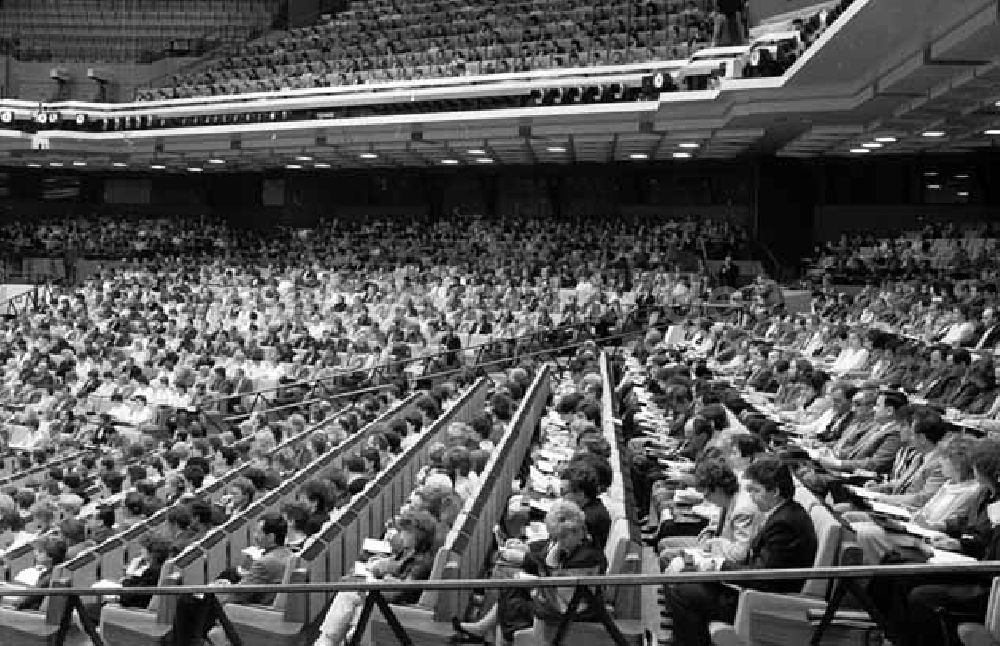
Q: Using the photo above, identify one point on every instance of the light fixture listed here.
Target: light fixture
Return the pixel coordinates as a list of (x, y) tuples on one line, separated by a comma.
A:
[(195, 169), (476, 151), (34, 165), (556, 149), (484, 160), (158, 167), (79, 163), (933, 133), (638, 156), (933, 187), (688, 144), (930, 173), (859, 150), (963, 194), (216, 161), (293, 166), (303, 158), (449, 162), (885, 140), (682, 155), (56, 164), (119, 164), (321, 165), (368, 156), (962, 176), (871, 144), (992, 133)]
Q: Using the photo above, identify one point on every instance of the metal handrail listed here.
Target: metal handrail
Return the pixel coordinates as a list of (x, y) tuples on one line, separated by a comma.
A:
[(610, 580)]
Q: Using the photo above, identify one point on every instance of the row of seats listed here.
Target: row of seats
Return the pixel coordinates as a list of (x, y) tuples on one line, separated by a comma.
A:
[(220, 547), (469, 542)]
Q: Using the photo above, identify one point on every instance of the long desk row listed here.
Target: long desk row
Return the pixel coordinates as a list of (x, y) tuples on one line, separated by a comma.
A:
[(108, 559), (331, 553), (468, 543)]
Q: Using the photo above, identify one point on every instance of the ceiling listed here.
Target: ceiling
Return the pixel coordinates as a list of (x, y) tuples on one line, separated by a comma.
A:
[(896, 69)]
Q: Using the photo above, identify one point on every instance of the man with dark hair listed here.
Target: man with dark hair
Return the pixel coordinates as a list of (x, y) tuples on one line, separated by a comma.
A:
[(269, 567), (917, 473), (579, 484), (786, 540)]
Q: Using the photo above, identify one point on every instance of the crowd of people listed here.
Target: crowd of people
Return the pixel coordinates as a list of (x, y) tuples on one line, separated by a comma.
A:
[(934, 252), (142, 349), (885, 397), (385, 42), (881, 396)]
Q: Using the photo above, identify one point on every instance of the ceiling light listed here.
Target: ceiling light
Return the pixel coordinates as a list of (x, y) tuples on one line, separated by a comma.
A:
[(638, 156), (992, 133), (293, 166), (216, 161), (476, 151), (556, 149), (933, 133), (79, 163), (963, 193), (449, 162), (34, 165), (55, 164), (368, 156), (930, 173), (962, 176), (871, 144), (484, 160), (860, 150), (885, 140), (194, 169), (158, 167), (303, 158), (689, 144), (119, 164), (321, 165), (933, 187), (682, 155)]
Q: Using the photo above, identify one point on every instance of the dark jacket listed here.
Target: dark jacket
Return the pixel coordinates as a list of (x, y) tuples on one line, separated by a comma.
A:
[(150, 577), (787, 540)]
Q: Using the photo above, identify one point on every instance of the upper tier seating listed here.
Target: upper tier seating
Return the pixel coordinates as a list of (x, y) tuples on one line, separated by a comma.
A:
[(116, 31), (385, 41)]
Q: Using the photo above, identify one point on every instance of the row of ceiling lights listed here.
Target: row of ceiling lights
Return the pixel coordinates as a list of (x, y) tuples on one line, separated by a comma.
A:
[(879, 142), (478, 154)]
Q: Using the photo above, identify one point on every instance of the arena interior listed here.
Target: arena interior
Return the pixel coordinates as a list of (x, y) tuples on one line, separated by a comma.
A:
[(526, 323)]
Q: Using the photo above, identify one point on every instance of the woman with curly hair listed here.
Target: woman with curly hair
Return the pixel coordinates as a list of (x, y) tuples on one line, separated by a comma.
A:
[(413, 543)]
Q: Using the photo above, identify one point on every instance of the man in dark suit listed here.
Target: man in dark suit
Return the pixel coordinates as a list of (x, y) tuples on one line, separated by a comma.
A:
[(786, 540), (269, 568)]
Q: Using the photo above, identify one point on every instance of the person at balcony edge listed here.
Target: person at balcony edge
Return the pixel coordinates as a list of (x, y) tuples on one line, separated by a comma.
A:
[(785, 540), (955, 507), (914, 607)]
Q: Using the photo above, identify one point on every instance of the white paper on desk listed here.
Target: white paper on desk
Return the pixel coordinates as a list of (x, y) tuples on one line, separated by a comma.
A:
[(545, 466), (891, 510), (253, 552), (944, 556), (919, 530), (375, 546), (536, 532), (861, 492)]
